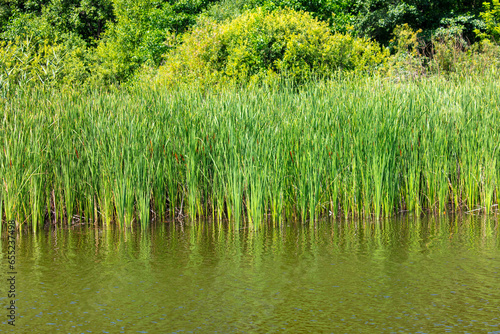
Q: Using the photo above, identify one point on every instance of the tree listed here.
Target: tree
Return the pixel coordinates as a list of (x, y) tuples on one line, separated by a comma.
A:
[(141, 31), (83, 18), (378, 18)]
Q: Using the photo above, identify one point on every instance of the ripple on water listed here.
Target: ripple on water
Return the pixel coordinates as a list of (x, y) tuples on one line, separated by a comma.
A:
[(409, 276)]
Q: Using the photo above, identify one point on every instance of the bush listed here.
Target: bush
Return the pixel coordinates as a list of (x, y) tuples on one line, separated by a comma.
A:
[(448, 54), (406, 60), (30, 61), (491, 18), (261, 44)]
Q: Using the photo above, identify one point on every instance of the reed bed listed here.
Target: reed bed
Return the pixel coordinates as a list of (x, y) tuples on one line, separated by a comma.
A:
[(345, 148)]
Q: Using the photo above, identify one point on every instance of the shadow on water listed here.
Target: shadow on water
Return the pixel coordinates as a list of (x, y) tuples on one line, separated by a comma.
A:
[(436, 274)]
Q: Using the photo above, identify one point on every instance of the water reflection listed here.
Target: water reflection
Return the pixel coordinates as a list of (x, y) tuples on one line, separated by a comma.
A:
[(439, 274)]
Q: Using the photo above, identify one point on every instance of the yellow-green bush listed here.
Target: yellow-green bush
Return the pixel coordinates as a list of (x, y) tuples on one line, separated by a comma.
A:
[(24, 62), (261, 44), (491, 18), (29, 61), (406, 60)]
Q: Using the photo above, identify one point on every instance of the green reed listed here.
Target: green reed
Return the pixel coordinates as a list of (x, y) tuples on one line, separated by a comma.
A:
[(367, 147)]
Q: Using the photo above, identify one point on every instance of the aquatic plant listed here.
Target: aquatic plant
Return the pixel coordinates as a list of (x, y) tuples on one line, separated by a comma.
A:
[(350, 147)]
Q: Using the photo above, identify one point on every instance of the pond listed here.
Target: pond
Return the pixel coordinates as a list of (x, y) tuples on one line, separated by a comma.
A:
[(406, 275)]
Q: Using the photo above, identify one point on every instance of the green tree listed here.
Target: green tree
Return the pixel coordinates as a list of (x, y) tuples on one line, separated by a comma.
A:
[(141, 34), (83, 18), (378, 18)]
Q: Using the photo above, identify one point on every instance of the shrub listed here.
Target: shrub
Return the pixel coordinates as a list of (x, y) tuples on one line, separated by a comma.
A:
[(406, 60), (491, 18), (261, 44), (448, 53), (452, 54), (30, 61)]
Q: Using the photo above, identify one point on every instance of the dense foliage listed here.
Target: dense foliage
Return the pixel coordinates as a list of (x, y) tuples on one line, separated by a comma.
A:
[(56, 18), (110, 41), (260, 44), (378, 18), (491, 18)]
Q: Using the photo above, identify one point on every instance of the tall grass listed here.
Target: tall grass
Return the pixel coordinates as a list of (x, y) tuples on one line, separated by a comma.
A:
[(348, 148)]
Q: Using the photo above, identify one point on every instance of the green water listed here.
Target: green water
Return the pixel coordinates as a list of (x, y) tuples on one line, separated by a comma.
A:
[(408, 276)]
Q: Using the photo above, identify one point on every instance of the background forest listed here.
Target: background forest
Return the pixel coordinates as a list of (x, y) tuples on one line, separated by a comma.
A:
[(107, 42)]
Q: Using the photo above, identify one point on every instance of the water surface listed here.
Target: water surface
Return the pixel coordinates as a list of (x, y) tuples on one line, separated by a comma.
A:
[(406, 275)]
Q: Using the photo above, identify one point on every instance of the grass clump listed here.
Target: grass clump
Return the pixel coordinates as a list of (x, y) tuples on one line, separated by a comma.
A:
[(352, 147)]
